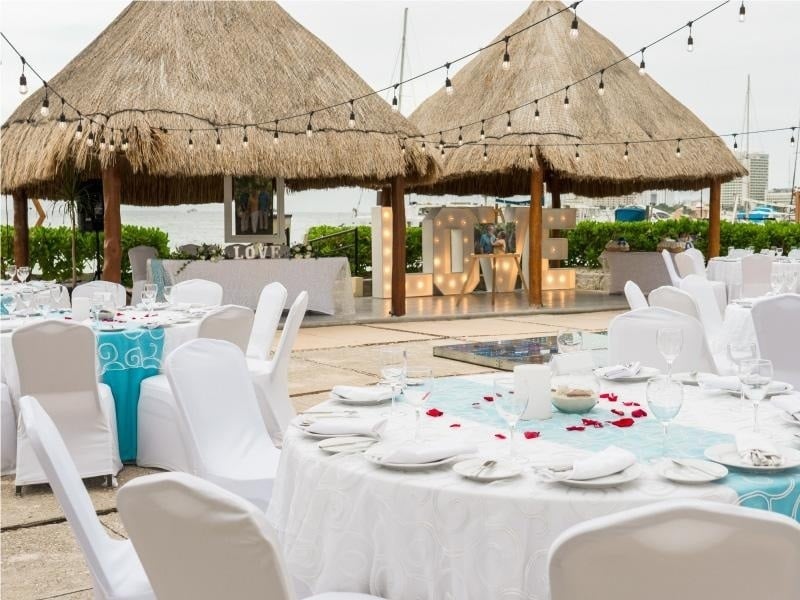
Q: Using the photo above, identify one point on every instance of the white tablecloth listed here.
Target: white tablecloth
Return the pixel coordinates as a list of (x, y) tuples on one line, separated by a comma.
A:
[(346, 524), (327, 280), (729, 271)]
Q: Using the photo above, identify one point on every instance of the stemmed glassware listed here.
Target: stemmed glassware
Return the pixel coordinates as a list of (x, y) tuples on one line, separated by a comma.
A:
[(56, 292), (149, 292), (670, 344), (26, 299), (22, 273), (168, 294), (393, 372), (776, 279), (43, 303), (511, 407), (739, 351), (418, 393), (569, 340), (11, 271), (9, 302), (755, 375), (98, 304), (664, 399)]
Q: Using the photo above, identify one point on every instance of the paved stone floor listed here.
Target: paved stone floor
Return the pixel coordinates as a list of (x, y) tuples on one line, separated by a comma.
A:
[(40, 558)]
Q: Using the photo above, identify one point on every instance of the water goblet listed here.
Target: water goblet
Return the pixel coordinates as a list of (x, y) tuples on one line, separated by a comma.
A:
[(418, 394), (26, 299), (43, 303), (510, 407), (22, 273), (393, 372), (9, 302), (664, 400), (569, 341), (670, 344), (168, 294), (755, 375), (779, 251), (776, 279), (11, 272), (739, 351), (98, 304), (56, 294)]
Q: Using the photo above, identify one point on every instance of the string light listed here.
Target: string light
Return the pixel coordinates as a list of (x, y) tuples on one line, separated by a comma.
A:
[(424, 149), (536, 112), (566, 98), (90, 139), (124, 145), (483, 130), (506, 57), (309, 127), (191, 143), (508, 123), (460, 137), (678, 149), (441, 141), (485, 153), (601, 88), (244, 137), (111, 145), (102, 138), (448, 85), (45, 109), (574, 27), (218, 145), (62, 118), (442, 152), (735, 145), (403, 147), (792, 140), (394, 98), (642, 69), (530, 154), (741, 12), (626, 155), (690, 41), (79, 130), (577, 154), (23, 81), (352, 121), (275, 135)]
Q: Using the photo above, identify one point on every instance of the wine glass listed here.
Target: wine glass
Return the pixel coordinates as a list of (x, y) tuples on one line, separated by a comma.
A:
[(11, 271), (43, 303), (776, 279), (98, 304), (9, 302), (168, 294), (56, 293), (149, 289), (569, 340), (511, 407), (755, 375), (26, 299), (664, 399), (670, 344), (22, 273), (739, 351), (419, 393), (393, 372), (779, 251)]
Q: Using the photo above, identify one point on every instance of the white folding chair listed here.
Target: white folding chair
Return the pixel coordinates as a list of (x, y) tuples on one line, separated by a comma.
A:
[(672, 298), (701, 290), (777, 325), (673, 274), (632, 337), (271, 378), (698, 260), (794, 254), (89, 289), (197, 291), (197, 540), (231, 323), (115, 569), (56, 364), (684, 264), (634, 296), (138, 257), (8, 432), (756, 274), (692, 550), (268, 314)]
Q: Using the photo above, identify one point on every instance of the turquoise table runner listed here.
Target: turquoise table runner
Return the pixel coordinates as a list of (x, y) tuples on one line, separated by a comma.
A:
[(126, 358), (463, 399)]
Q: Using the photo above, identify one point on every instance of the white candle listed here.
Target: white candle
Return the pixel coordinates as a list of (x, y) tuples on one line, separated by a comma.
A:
[(534, 382), (81, 309)]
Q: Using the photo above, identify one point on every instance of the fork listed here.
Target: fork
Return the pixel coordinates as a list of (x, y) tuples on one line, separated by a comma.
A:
[(489, 464)]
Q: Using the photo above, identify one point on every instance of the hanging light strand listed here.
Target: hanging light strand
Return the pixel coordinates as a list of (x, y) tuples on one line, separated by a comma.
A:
[(448, 85), (351, 122), (690, 40), (506, 57)]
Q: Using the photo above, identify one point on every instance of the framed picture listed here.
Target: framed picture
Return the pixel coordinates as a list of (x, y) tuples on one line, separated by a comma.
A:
[(495, 238), (254, 210)]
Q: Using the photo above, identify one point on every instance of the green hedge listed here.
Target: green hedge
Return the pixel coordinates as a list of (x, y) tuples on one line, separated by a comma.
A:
[(335, 246), (50, 249), (588, 239)]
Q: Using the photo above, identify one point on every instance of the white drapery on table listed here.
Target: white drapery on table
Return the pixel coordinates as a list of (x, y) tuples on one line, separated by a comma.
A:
[(327, 280), (729, 271)]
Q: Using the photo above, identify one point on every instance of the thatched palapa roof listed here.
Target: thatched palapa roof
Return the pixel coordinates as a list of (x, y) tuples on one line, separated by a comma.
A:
[(544, 59), (226, 62)]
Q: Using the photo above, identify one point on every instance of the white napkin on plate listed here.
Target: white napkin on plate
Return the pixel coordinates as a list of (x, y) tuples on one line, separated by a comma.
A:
[(757, 450), (619, 371), (413, 453), (788, 402), (369, 393), (347, 426), (601, 464), (727, 383)]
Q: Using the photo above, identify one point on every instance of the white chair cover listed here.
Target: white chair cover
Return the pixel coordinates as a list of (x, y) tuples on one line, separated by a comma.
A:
[(756, 274), (634, 296), (632, 337), (89, 289), (794, 254), (56, 364), (673, 274), (231, 323), (8, 432), (777, 325), (138, 257), (219, 418), (674, 299), (684, 264), (698, 259), (700, 289), (197, 291), (271, 378), (113, 564), (692, 550), (268, 315), (199, 541)]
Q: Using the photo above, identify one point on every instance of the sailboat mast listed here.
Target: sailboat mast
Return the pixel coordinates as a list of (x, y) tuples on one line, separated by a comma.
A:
[(402, 60), (747, 140)]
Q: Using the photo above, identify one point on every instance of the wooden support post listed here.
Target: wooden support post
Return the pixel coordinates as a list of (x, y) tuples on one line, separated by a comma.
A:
[(112, 224), (21, 248), (535, 239), (398, 247), (714, 211)]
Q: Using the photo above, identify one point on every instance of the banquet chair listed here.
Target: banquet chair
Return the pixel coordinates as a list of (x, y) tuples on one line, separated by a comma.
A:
[(271, 377), (777, 324), (89, 289), (197, 540), (632, 337), (268, 314), (691, 262), (197, 291), (698, 260), (675, 299), (756, 273), (56, 364), (114, 567), (231, 323), (668, 262), (634, 295), (684, 265), (8, 432), (701, 291), (687, 549), (138, 257), (794, 254)]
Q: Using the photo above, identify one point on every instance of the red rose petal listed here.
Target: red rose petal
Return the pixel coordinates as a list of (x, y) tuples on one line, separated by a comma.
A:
[(592, 423), (616, 411), (499, 436), (456, 425), (575, 428), (626, 422), (434, 412), (610, 396), (531, 435), (489, 398), (631, 404), (68, 318), (639, 413)]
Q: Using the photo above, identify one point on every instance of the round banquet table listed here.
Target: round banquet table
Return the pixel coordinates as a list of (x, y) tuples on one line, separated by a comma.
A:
[(124, 358), (729, 271), (346, 524)]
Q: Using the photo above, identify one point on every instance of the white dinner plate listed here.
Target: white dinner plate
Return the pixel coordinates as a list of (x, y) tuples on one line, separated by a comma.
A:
[(629, 474), (700, 471), (473, 469), (353, 402), (376, 453), (644, 374), (111, 328), (776, 388), (726, 454), (687, 378), (346, 445)]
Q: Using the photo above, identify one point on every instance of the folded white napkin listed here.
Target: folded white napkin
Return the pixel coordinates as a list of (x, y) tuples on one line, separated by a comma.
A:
[(363, 393), (601, 464), (728, 383), (348, 426), (788, 402), (412, 453), (620, 371), (757, 450)]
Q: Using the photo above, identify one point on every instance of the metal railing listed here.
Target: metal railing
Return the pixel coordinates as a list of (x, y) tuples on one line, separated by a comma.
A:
[(348, 247)]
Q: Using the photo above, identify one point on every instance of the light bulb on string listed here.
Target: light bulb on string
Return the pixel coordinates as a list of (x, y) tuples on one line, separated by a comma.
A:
[(448, 85), (394, 98), (424, 149), (403, 147), (124, 145), (45, 108), (218, 145), (577, 154), (23, 81), (642, 69), (191, 142), (111, 145), (508, 123), (678, 149), (485, 153), (536, 111), (62, 118), (90, 139), (483, 130), (741, 12), (601, 87), (735, 144), (245, 141), (791, 139), (351, 122), (275, 134), (102, 139), (574, 27), (79, 130), (626, 155), (530, 154), (441, 141), (690, 41), (309, 127), (460, 137), (442, 152), (566, 98), (506, 57)]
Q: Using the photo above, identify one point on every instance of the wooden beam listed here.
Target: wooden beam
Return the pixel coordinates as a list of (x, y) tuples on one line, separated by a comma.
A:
[(714, 210), (21, 248), (398, 247), (41, 215), (535, 239), (112, 224)]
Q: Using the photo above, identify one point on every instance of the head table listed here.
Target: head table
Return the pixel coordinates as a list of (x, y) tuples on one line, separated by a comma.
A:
[(345, 523)]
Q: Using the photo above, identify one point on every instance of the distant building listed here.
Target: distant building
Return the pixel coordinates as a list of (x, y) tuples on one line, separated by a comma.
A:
[(781, 197), (753, 187)]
